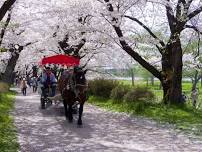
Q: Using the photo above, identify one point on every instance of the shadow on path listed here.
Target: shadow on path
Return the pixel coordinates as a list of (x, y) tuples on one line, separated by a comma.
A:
[(48, 131)]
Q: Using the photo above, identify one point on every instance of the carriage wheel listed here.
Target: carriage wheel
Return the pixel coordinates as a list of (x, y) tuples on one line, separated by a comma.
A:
[(42, 103), (51, 102)]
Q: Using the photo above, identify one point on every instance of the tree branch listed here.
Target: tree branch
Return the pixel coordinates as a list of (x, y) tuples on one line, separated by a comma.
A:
[(199, 77), (3, 30), (178, 9), (5, 7), (194, 13), (187, 5), (194, 28), (74, 49), (22, 31), (55, 33), (170, 16), (30, 43), (183, 1), (146, 28), (78, 47), (88, 61), (199, 39), (129, 50)]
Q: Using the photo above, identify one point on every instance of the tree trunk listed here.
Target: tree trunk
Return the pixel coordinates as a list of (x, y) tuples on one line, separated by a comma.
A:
[(7, 77), (3, 30), (195, 81), (152, 80), (172, 72), (133, 77)]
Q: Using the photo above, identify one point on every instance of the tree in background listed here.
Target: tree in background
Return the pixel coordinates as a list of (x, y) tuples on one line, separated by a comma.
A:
[(193, 62), (179, 16)]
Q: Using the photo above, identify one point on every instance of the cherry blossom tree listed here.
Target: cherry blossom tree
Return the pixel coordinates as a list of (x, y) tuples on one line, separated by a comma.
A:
[(179, 16), (193, 62)]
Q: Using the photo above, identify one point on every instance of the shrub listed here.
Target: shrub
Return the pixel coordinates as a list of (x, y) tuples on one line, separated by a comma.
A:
[(4, 87), (119, 92), (102, 87), (139, 94)]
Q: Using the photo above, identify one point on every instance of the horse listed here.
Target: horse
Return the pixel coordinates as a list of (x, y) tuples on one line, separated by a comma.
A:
[(69, 95)]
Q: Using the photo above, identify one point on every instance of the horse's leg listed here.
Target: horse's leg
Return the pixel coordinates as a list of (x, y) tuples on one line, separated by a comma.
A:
[(65, 106), (80, 113), (70, 113)]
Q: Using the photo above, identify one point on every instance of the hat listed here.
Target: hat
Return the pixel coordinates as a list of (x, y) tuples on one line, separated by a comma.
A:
[(47, 68)]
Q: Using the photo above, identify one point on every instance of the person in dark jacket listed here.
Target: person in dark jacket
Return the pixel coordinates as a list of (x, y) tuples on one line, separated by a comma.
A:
[(48, 80)]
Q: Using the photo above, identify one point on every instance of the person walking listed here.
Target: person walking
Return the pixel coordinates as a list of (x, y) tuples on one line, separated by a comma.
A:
[(24, 86), (194, 96), (34, 83)]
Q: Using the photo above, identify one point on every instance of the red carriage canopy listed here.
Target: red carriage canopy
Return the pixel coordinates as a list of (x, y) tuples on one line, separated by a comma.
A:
[(61, 59)]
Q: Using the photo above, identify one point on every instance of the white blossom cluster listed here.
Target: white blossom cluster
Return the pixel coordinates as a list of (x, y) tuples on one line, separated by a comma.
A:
[(40, 20)]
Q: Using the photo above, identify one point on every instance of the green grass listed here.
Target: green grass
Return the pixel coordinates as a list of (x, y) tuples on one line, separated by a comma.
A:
[(186, 87), (184, 118), (8, 138)]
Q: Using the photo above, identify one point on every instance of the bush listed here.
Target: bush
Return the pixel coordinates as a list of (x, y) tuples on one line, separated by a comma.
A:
[(139, 94), (4, 87), (102, 87), (119, 92)]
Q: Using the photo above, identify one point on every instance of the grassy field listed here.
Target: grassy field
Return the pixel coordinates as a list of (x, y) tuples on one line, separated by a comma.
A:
[(186, 87), (185, 118), (8, 140)]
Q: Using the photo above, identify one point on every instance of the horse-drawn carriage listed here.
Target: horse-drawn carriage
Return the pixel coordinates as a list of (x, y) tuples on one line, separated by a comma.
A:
[(45, 97), (71, 85)]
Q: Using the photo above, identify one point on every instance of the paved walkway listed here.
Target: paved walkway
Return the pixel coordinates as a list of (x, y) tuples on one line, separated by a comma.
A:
[(48, 131)]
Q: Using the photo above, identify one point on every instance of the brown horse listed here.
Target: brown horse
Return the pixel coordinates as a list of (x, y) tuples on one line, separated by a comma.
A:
[(69, 94)]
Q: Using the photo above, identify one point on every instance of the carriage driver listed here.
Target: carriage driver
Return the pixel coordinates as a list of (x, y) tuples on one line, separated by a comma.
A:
[(48, 80)]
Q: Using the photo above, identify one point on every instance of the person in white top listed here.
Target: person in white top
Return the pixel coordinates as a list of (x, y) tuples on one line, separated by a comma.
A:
[(194, 96), (24, 86)]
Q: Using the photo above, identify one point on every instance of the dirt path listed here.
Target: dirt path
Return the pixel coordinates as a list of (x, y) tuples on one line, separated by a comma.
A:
[(102, 131)]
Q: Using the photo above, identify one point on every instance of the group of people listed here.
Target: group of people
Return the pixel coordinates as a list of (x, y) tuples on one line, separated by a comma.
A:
[(194, 97), (24, 83), (46, 82)]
